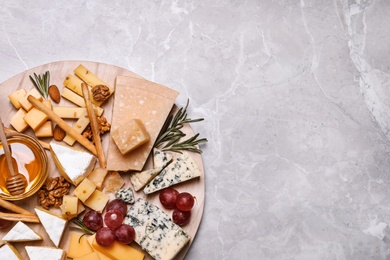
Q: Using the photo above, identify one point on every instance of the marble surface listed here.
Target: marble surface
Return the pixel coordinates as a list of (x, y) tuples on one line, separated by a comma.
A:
[(296, 99)]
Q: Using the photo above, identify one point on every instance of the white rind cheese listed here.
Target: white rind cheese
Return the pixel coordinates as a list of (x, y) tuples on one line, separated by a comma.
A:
[(183, 168), (53, 224), (42, 252), (155, 231), (126, 195), (9, 252), (73, 164), (21, 233)]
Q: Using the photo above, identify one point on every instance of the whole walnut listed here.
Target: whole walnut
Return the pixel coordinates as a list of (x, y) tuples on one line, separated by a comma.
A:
[(100, 93)]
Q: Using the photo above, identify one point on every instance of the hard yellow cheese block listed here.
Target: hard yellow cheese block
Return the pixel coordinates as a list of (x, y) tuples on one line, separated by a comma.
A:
[(84, 190), (97, 176), (18, 122), (69, 112), (90, 256), (35, 117), (118, 251), (45, 130), (130, 135), (136, 102), (78, 246), (15, 96), (25, 104), (97, 201), (74, 83)]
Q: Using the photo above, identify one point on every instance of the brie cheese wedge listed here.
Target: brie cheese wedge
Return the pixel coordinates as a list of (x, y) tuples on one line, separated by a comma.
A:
[(7, 251), (42, 252), (21, 233), (54, 225), (73, 164)]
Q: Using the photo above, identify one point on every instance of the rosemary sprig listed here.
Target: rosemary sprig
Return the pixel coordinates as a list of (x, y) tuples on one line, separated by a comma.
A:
[(171, 134), (81, 227), (41, 83)]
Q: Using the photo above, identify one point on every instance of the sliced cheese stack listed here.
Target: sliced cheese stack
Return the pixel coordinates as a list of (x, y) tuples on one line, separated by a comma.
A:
[(155, 231), (21, 233), (145, 100)]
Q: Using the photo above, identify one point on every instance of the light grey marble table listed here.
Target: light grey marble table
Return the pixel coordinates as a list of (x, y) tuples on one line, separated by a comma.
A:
[(296, 97)]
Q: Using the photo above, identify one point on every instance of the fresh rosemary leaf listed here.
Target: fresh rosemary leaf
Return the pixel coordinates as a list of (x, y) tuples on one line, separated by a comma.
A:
[(41, 83), (82, 227)]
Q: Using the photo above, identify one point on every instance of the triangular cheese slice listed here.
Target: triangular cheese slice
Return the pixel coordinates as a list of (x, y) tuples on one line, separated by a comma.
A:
[(42, 252), (21, 233), (182, 168), (73, 164), (7, 251), (160, 158), (53, 224)]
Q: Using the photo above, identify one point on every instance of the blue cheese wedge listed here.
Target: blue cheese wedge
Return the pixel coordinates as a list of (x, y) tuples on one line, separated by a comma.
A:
[(161, 158), (7, 251), (155, 231), (73, 164), (21, 233), (43, 252), (126, 195), (182, 168), (54, 225)]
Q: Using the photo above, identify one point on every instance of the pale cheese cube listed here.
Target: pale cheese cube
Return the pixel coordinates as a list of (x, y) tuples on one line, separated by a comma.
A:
[(97, 201), (35, 118), (45, 130), (15, 96), (18, 122), (26, 105), (84, 190), (130, 136), (69, 206)]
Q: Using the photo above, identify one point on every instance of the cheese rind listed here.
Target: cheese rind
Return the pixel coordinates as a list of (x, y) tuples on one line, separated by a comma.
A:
[(73, 164), (21, 233), (130, 135), (155, 231), (9, 252), (182, 168), (43, 252), (53, 224)]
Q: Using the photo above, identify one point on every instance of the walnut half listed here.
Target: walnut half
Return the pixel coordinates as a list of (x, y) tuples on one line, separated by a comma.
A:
[(52, 192), (104, 127), (100, 93)]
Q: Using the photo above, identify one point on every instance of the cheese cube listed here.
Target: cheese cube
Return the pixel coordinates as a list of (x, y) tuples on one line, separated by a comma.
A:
[(97, 176), (15, 96), (78, 246), (45, 130), (26, 105), (84, 190), (130, 135), (97, 201), (69, 206), (118, 251), (35, 117), (18, 122)]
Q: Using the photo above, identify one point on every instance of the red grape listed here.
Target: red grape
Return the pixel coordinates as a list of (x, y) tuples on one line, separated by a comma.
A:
[(105, 236), (125, 234), (117, 204), (113, 219), (93, 220), (181, 217), (185, 201), (168, 198)]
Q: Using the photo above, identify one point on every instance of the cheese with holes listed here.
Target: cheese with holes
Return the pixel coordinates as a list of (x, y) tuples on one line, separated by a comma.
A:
[(74, 83), (54, 225), (21, 233), (44, 252), (182, 168), (84, 190), (130, 135), (9, 252), (151, 104), (18, 122), (73, 164), (15, 96), (155, 231), (69, 207)]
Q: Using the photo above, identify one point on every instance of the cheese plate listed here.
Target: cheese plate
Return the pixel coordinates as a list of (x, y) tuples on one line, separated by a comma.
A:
[(108, 73)]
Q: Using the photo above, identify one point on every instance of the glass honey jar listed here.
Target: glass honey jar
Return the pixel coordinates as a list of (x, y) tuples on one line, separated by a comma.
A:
[(29, 158)]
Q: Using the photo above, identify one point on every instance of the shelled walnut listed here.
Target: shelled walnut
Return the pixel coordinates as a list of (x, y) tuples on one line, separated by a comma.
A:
[(52, 192), (100, 92), (104, 127)]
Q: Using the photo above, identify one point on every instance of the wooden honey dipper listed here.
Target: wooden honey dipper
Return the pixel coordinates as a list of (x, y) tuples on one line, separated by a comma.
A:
[(16, 183)]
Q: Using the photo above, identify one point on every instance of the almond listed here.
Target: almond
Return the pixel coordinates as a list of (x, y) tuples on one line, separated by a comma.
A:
[(58, 133), (54, 93)]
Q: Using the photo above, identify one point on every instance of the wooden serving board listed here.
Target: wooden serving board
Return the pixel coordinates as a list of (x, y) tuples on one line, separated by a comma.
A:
[(58, 72)]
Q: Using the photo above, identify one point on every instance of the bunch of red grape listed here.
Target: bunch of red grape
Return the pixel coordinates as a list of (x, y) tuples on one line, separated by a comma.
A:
[(114, 229), (181, 203)]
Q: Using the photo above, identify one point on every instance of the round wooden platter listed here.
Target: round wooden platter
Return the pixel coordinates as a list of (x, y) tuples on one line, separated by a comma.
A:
[(58, 71)]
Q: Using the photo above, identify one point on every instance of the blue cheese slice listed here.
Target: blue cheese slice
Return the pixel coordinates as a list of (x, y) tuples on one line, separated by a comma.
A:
[(73, 164), (126, 195), (21, 233), (183, 168), (161, 158), (155, 231)]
